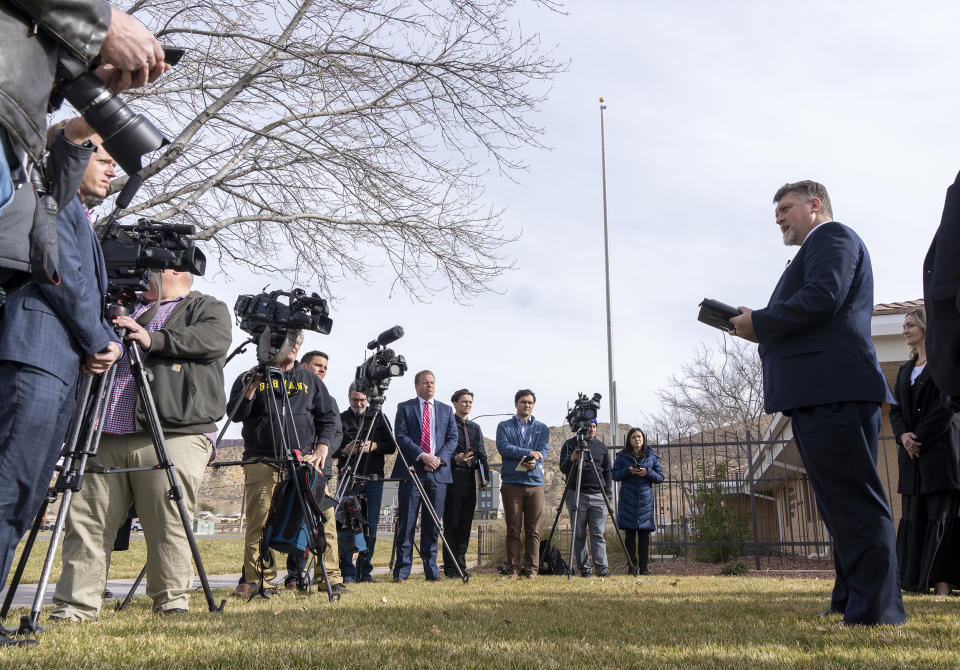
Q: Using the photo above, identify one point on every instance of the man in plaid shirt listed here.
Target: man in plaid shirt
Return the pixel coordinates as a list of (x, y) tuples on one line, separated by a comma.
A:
[(184, 336)]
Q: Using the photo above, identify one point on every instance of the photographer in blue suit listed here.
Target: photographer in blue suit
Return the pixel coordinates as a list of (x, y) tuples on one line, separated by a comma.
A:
[(820, 368), (427, 435), (48, 335)]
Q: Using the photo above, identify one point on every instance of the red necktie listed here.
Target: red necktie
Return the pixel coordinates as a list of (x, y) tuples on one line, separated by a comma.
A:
[(425, 432)]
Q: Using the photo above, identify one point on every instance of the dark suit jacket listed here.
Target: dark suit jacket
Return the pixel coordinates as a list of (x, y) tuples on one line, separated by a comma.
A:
[(814, 333), (941, 296), (54, 327), (407, 428), (922, 410)]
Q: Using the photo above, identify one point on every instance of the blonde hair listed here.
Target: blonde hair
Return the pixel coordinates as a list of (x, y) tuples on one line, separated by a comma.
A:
[(920, 316)]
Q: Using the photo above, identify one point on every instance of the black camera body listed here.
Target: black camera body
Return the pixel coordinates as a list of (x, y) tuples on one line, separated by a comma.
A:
[(302, 312), (583, 412), (132, 252), (374, 374)]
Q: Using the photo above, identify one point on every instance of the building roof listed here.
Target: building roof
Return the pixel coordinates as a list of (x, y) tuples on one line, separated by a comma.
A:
[(896, 307)]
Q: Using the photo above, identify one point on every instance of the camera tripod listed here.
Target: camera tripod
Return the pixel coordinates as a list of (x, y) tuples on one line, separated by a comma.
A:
[(87, 421), (349, 475), (585, 455), (287, 450)]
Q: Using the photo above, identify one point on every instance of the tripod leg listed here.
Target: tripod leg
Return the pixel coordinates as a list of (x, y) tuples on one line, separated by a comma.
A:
[(576, 514), (613, 517), (314, 526), (24, 557), (163, 462), (133, 589), (424, 498)]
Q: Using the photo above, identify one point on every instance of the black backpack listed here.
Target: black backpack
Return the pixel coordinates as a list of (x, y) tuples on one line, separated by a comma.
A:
[(551, 560)]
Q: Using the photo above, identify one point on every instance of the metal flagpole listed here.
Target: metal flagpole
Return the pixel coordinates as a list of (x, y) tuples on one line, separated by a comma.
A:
[(614, 426)]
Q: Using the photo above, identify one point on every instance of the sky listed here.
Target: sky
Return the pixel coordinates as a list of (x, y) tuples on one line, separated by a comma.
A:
[(710, 107)]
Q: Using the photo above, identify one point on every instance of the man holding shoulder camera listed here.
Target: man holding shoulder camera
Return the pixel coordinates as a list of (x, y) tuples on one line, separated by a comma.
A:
[(590, 509), (184, 336)]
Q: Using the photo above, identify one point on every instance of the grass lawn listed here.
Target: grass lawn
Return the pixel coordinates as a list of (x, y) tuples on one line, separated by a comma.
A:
[(221, 555), (491, 622)]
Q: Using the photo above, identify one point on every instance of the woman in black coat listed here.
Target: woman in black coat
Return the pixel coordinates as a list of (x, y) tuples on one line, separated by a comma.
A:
[(928, 538)]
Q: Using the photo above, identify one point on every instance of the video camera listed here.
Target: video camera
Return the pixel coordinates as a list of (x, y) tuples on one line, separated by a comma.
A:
[(127, 136), (583, 412), (132, 252), (302, 312), (276, 325), (374, 374)]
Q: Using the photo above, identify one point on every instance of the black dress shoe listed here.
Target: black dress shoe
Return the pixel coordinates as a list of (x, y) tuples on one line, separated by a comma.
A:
[(6, 641)]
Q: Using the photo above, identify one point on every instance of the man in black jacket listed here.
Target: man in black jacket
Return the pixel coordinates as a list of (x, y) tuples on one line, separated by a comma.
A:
[(366, 457), (591, 509), (312, 423), (470, 458)]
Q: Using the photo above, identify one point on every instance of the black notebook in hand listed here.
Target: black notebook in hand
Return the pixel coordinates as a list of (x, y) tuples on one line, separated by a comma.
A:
[(717, 314)]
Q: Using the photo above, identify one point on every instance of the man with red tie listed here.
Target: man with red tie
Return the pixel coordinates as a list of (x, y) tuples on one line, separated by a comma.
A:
[(427, 435)]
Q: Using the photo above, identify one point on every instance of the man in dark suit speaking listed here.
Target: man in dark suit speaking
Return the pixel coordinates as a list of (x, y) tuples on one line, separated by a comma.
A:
[(820, 368), (427, 436)]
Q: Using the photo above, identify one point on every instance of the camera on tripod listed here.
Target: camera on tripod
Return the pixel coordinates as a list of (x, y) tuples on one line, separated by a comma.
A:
[(374, 374), (583, 412), (302, 312), (131, 252), (276, 324)]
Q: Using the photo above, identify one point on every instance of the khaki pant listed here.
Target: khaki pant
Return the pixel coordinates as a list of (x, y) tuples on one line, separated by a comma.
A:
[(100, 508), (522, 505), (259, 482)]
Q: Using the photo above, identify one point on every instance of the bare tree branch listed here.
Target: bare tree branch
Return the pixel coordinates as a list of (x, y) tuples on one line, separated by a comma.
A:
[(344, 138)]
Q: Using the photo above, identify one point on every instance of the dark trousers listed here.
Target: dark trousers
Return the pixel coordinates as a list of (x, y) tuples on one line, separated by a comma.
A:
[(838, 445), (458, 519), (638, 546), (371, 499), (35, 409), (408, 503)]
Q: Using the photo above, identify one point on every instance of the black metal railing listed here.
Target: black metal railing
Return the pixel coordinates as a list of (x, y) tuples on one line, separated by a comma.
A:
[(726, 497)]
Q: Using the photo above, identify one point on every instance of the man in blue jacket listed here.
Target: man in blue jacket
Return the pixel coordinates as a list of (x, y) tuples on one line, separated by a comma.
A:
[(47, 334), (523, 443), (820, 368), (427, 435)]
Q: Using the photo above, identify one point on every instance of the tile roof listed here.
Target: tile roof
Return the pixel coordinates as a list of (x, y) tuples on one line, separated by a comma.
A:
[(896, 307)]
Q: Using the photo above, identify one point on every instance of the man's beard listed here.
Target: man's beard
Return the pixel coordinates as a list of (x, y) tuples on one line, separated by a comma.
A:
[(790, 238)]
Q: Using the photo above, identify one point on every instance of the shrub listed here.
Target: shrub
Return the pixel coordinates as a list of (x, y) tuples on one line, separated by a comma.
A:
[(718, 524), (734, 568)]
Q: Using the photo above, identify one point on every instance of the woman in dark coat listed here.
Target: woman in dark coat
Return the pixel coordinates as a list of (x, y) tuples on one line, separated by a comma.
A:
[(928, 538), (638, 468)]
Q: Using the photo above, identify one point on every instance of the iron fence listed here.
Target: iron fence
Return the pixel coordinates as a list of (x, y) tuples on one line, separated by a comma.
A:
[(722, 498)]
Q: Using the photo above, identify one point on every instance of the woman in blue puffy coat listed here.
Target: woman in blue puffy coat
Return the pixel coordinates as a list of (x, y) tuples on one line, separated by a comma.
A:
[(638, 468)]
